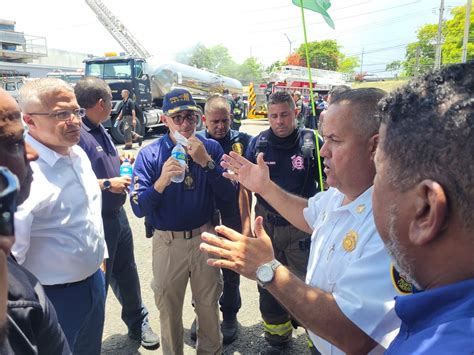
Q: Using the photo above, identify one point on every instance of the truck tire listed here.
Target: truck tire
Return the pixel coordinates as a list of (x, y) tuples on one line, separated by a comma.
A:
[(117, 132)]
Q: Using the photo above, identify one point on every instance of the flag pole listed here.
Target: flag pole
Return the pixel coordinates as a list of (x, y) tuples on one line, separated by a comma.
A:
[(311, 95)]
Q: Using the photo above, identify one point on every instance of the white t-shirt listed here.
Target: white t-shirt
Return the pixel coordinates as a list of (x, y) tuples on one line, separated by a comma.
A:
[(348, 259)]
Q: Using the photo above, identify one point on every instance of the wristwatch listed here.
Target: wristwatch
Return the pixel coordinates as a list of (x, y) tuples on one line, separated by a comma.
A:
[(209, 166), (266, 272), (106, 185)]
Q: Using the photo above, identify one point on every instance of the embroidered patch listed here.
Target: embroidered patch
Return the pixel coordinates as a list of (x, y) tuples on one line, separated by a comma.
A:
[(99, 148), (400, 282), (238, 148), (297, 162)]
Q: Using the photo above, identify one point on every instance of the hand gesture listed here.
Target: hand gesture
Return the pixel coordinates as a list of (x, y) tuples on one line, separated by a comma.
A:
[(170, 168), (237, 252), (254, 177), (119, 185), (197, 151)]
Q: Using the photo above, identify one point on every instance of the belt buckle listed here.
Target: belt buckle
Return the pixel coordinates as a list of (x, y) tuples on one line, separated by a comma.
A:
[(188, 234)]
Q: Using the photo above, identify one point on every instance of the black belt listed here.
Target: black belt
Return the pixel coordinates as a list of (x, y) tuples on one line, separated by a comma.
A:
[(66, 285)]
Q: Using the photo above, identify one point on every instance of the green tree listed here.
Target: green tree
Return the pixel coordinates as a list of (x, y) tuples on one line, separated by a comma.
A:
[(323, 55), (420, 55), (394, 66), (348, 64), (275, 66), (250, 70)]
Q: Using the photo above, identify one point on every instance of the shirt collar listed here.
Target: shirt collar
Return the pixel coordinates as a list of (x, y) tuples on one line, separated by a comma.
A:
[(361, 206), (88, 125), (47, 154)]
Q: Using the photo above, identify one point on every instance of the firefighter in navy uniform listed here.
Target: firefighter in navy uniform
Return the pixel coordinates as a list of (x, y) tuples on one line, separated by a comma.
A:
[(290, 155), (217, 117), (237, 112)]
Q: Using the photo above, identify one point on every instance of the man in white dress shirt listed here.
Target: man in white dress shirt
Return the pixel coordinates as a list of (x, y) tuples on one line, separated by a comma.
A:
[(347, 301), (59, 232)]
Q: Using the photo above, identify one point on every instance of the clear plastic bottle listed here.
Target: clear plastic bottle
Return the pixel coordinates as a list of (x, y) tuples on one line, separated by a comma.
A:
[(126, 169), (179, 154)]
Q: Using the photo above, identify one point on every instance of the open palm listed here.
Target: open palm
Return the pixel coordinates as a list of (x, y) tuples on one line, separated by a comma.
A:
[(253, 177)]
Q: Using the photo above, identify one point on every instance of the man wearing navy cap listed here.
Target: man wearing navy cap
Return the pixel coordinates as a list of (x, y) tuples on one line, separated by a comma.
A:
[(95, 96), (179, 213)]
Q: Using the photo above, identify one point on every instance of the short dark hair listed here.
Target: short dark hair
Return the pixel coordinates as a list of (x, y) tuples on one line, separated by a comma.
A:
[(430, 134), (281, 97), (336, 90), (363, 103), (89, 90)]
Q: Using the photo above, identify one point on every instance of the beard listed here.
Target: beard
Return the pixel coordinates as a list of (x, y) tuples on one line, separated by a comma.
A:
[(397, 252)]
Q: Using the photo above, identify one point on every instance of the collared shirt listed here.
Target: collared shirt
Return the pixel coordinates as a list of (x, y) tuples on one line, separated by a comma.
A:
[(177, 208), (437, 321), (105, 161), (237, 142), (58, 229), (348, 260)]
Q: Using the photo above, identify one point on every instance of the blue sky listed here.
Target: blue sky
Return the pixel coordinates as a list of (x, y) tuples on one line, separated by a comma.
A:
[(263, 29)]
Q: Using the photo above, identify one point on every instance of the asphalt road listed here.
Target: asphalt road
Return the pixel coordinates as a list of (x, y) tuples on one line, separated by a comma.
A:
[(250, 340)]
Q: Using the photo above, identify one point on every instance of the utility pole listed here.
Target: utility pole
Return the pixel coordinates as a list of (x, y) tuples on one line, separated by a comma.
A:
[(289, 41), (467, 24), (439, 38), (362, 61)]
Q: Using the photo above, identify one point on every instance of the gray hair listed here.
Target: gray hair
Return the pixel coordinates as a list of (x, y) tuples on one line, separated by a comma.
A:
[(430, 135), (363, 108), (33, 92)]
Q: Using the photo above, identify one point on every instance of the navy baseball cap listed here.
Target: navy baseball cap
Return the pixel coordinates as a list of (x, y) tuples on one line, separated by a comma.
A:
[(179, 100)]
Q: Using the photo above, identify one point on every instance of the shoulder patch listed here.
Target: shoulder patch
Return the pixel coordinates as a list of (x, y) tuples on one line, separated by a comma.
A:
[(400, 283), (238, 148)]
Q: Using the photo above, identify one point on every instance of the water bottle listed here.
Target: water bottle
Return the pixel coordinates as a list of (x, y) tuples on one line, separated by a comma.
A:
[(126, 169), (179, 154)]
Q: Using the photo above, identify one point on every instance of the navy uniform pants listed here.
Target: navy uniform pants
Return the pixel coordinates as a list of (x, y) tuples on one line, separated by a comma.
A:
[(121, 271)]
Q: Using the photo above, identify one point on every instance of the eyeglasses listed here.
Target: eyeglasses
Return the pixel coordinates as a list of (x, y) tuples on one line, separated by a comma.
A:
[(190, 117), (63, 115)]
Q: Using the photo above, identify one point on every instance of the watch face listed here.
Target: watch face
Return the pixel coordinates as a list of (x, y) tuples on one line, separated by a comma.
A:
[(211, 165), (107, 184), (265, 273)]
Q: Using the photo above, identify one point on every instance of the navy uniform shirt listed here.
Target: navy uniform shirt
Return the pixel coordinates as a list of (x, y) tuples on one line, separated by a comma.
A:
[(238, 142), (127, 107), (105, 161), (177, 208), (288, 168)]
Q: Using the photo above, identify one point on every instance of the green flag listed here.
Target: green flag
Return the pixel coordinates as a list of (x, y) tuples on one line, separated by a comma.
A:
[(320, 6)]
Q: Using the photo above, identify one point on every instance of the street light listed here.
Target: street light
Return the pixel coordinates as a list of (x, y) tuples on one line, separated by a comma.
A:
[(290, 42)]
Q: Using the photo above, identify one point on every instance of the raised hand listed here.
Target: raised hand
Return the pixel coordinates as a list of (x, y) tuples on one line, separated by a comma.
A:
[(197, 151), (254, 177), (170, 168), (238, 252)]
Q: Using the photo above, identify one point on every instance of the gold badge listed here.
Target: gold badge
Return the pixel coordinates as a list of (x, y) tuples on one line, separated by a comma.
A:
[(136, 178), (360, 208), (350, 241), (238, 148), (188, 181)]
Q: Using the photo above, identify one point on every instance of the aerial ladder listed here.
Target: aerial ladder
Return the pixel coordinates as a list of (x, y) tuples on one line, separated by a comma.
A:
[(118, 30)]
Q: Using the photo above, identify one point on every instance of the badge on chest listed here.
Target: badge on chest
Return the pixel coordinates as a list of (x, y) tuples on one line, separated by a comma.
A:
[(189, 181)]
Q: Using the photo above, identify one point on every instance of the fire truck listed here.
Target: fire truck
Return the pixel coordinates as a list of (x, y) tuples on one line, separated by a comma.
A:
[(292, 78)]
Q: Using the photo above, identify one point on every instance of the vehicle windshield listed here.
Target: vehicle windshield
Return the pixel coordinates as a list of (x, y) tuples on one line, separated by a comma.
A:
[(110, 70)]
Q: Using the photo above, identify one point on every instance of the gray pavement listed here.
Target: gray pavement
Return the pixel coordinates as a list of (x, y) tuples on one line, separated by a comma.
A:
[(250, 340)]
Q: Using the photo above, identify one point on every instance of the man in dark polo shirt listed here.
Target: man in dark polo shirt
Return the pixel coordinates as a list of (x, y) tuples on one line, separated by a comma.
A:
[(95, 96)]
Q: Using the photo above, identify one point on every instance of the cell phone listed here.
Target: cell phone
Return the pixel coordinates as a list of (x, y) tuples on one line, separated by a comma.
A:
[(9, 188)]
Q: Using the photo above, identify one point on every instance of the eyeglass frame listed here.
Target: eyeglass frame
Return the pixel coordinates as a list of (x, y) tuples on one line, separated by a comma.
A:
[(78, 112), (186, 117)]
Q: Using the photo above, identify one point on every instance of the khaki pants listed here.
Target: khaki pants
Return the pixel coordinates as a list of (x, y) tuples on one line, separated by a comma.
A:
[(175, 260)]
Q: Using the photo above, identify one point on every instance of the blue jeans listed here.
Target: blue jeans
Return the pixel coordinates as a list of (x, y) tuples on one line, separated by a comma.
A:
[(81, 310), (121, 271)]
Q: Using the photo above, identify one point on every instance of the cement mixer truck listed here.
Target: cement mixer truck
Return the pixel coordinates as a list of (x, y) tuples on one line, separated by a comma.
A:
[(148, 83)]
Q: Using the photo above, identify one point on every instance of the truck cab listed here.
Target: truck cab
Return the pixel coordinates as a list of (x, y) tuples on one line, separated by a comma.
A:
[(126, 72)]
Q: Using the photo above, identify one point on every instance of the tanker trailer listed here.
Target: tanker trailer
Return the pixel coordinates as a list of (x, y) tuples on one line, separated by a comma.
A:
[(149, 82)]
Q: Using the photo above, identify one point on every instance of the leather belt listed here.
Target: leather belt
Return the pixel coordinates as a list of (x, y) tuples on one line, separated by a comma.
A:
[(187, 234)]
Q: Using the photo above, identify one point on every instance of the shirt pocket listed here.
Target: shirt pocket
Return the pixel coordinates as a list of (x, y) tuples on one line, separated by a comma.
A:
[(338, 260)]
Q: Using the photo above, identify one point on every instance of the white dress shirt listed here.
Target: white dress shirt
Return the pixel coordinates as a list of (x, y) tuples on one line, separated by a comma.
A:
[(58, 229), (348, 259)]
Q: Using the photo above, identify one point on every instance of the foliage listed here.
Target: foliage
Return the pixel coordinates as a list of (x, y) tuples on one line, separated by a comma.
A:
[(275, 66), (451, 50), (348, 64), (250, 70), (295, 59), (322, 55)]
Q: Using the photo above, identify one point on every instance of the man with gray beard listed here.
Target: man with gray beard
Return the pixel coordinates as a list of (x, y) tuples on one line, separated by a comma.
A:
[(423, 201)]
